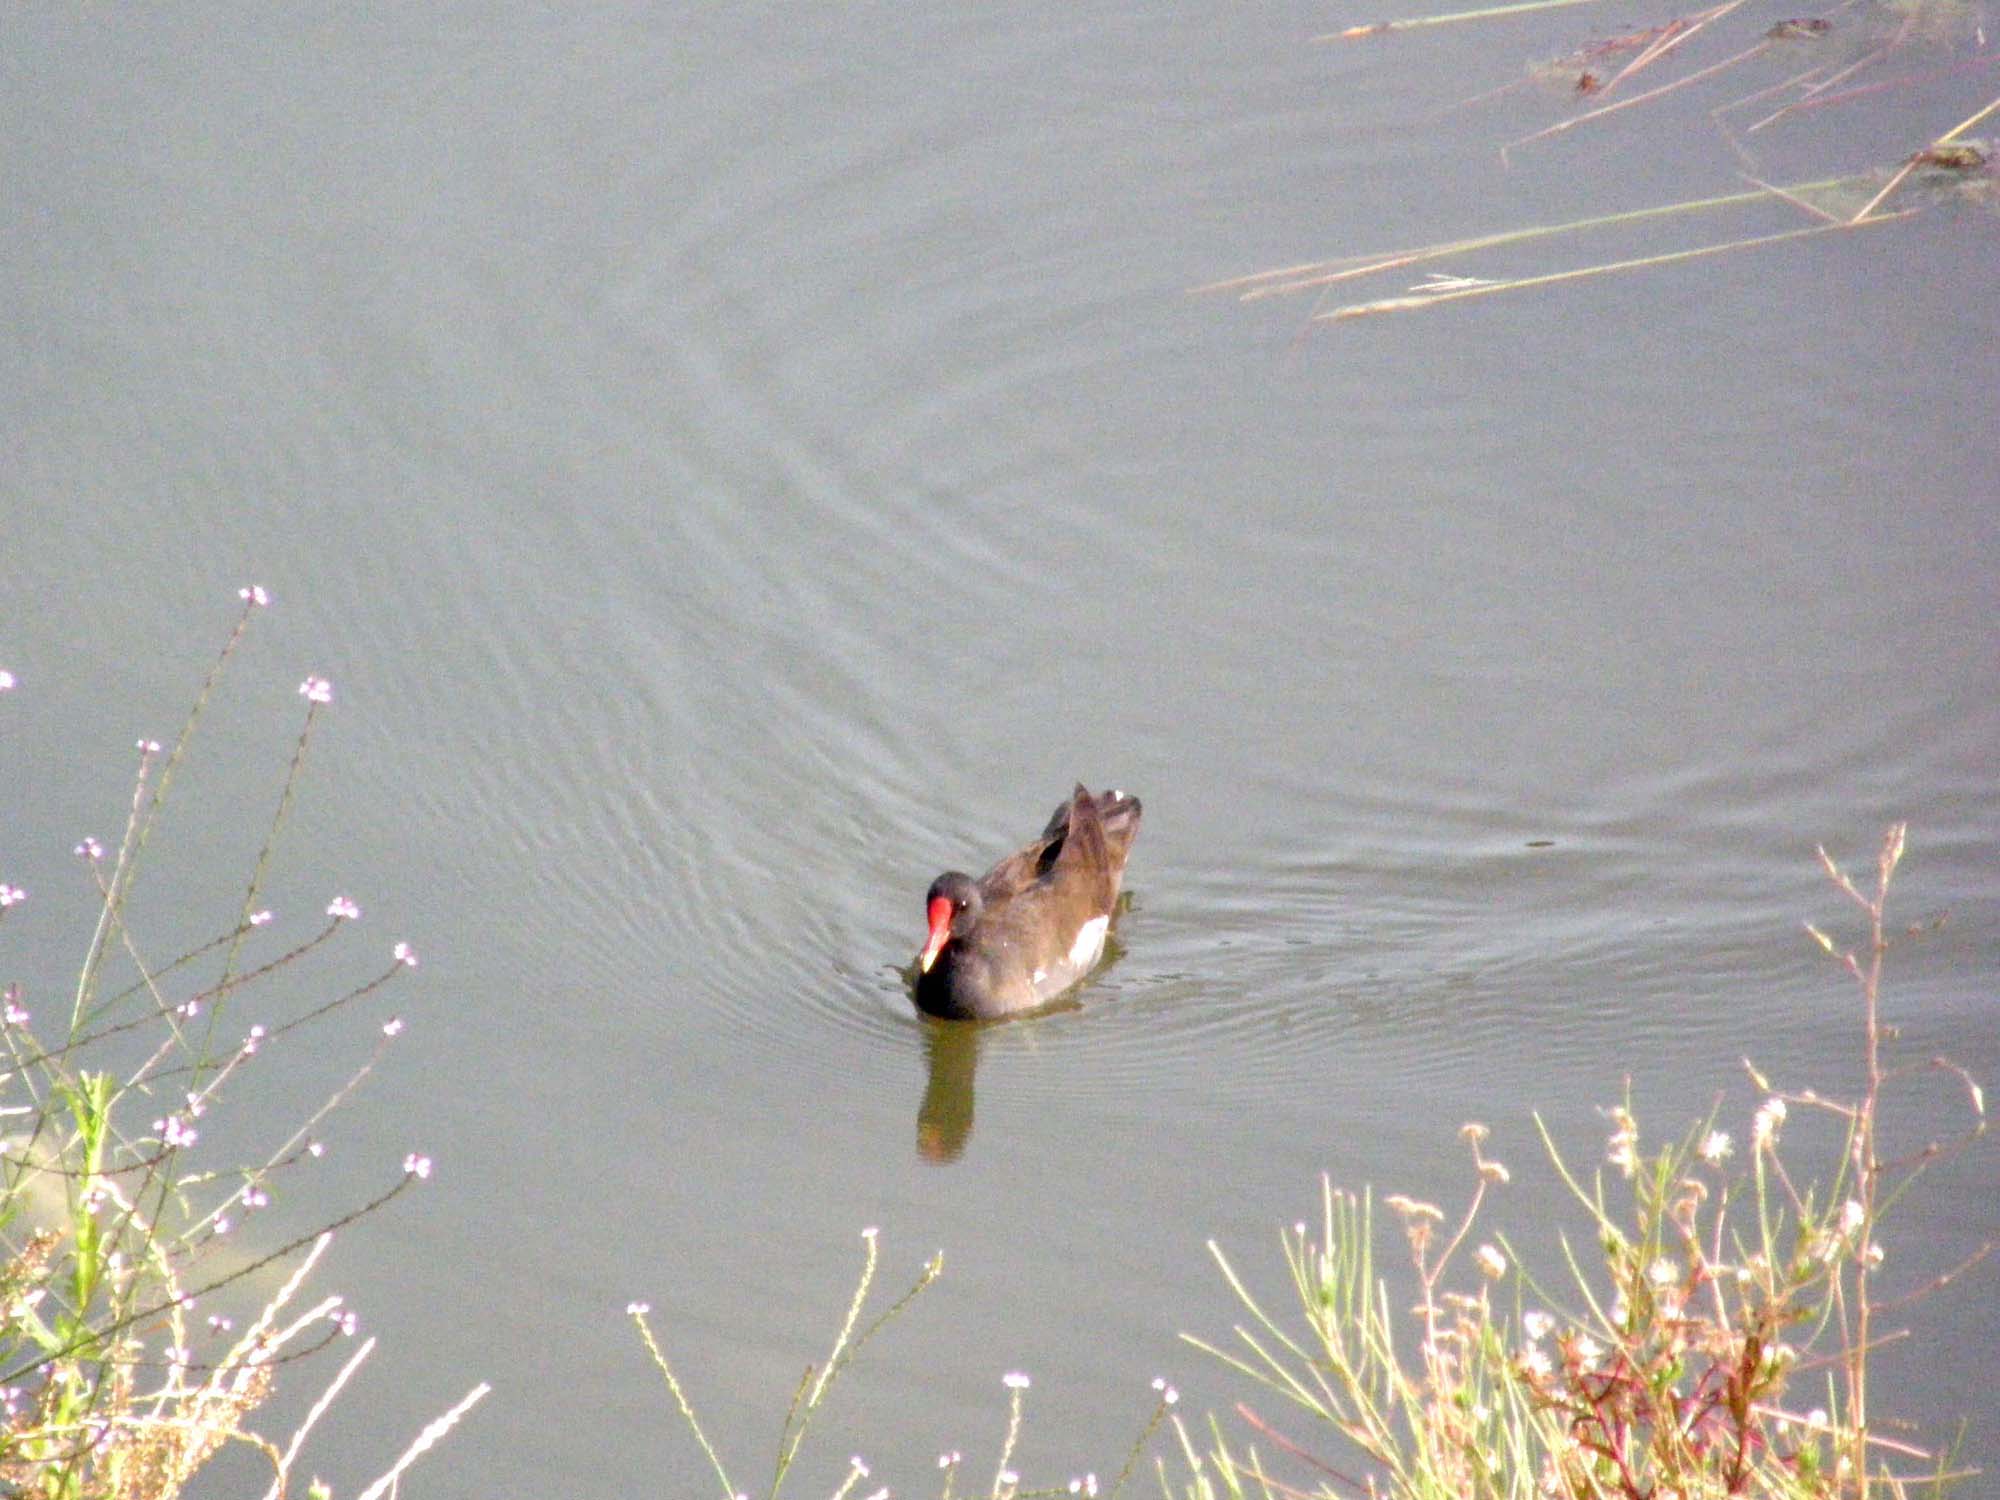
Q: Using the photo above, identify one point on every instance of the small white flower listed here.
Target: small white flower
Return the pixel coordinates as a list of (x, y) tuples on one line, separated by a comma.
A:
[(417, 1166), (1851, 1215), (11, 895), (89, 849), (393, 1026), (1014, 1380), (316, 690), (1872, 1255), (637, 1309), (255, 596), (1715, 1149), (1622, 1149), (343, 910), (858, 1466), (1587, 1350), (1535, 1362), (260, 918), (147, 747), (1764, 1124), (1663, 1272), (6, 681), (1536, 1324), (405, 955), (1492, 1264)]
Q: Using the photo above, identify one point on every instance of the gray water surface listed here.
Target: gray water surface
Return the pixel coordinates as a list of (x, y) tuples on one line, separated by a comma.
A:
[(737, 462)]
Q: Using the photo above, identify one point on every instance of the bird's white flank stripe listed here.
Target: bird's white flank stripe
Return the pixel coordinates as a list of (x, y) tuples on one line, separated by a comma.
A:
[(1089, 942)]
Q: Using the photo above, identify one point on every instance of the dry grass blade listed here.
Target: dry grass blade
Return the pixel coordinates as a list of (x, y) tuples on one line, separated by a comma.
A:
[(1672, 257), (1817, 100), (1964, 125), (1888, 187), (1675, 35), (319, 1408), (1801, 204), (1666, 88), (1858, 65), (425, 1441), (1316, 274), (1414, 23)]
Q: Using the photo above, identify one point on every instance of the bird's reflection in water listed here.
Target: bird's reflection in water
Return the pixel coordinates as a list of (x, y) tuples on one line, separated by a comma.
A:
[(944, 1118), (951, 1057)]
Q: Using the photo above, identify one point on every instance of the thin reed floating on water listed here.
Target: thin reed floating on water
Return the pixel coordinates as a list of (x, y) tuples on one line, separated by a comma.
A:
[(1964, 125), (1415, 300), (1414, 23), (1311, 274)]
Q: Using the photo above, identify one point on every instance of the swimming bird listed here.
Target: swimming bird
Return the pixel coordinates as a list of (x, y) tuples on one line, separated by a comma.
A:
[(1033, 925)]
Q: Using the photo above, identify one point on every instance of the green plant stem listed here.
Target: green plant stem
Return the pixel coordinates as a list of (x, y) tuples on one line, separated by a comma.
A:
[(286, 796), (681, 1400)]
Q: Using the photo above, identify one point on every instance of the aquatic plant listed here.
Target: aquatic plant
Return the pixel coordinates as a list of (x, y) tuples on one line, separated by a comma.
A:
[(1718, 1345), (1820, 58), (817, 1383), (117, 1376)]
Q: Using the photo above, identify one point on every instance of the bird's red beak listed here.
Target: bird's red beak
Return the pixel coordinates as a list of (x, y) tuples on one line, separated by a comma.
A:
[(940, 912)]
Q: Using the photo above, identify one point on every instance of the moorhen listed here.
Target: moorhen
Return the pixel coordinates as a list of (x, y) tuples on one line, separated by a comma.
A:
[(1034, 924)]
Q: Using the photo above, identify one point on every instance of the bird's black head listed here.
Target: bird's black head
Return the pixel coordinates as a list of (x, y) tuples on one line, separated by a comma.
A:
[(952, 906)]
